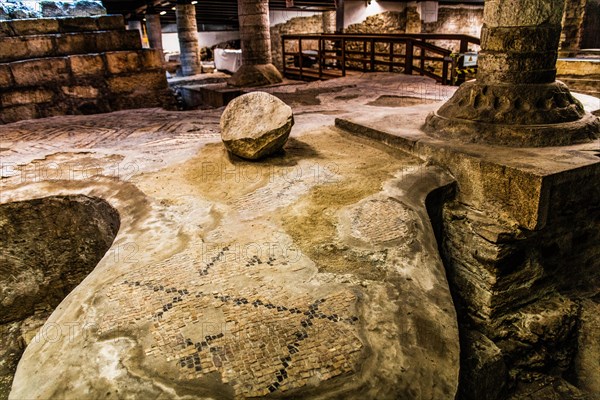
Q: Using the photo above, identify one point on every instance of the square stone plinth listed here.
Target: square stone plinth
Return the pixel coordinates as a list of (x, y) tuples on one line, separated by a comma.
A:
[(523, 185)]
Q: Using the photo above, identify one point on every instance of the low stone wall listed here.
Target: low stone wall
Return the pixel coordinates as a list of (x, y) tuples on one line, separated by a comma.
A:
[(77, 65)]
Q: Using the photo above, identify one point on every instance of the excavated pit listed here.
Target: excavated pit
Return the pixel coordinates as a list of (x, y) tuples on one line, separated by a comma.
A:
[(47, 247)]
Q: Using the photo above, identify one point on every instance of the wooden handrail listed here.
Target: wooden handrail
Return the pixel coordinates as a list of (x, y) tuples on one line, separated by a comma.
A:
[(368, 54)]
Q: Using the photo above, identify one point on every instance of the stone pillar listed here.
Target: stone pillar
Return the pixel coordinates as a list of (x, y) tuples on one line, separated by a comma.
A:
[(154, 30), (329, 22), (515, 100), (257, 68), (339, 16), (187, 32), (413, 18)]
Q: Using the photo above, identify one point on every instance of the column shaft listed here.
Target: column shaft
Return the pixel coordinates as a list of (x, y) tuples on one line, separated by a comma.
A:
[(154, 30), (187, 32)]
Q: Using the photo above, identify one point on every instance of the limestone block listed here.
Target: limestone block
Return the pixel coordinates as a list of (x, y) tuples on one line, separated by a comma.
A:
[(86, 64), (587, 362), (137, 82), (140, 99), (74, 43), (21, 27), (115, 40), (522, 12), (86, 92), (119, 62), (110, 22), (255, 125), (485, 372), (26, 97), (5, 76), (21, 48), (18, 113), (517, 67), (36, 72), (524, 39), (151, 59), (77, 24)]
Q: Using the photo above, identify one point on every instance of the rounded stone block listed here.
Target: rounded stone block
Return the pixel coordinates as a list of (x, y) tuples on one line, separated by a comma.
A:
[(525, 104), (256, 125), (533, 115)]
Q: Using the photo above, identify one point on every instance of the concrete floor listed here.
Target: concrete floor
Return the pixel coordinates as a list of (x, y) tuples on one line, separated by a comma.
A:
[(313, 274)]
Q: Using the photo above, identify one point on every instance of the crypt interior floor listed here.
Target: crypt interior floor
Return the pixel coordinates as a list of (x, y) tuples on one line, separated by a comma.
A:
[(312, 274)]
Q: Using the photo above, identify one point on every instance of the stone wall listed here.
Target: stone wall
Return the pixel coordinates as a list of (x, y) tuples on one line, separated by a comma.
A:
[(467, 20), (387, 22), (519, 290), (299, 25), (76, 65), (591, 26), (572, 26)]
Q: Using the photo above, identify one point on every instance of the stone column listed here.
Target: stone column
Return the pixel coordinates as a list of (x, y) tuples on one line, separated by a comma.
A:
[(187, 32), (413, 18), (339, 16), (257, 68), (154, 30), (329, 22), (515, 100)]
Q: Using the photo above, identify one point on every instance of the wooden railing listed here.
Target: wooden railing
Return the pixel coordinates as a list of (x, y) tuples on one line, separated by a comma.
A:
[(325, 56)]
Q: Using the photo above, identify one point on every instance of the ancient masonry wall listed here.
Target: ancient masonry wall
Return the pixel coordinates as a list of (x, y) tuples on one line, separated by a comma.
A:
[(572, 23), (76, 65), (299, 25), (520, 292)]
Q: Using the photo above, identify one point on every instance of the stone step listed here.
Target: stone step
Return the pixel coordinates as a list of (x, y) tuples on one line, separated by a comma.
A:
[(62, 44), (87, 83), (44, 26)]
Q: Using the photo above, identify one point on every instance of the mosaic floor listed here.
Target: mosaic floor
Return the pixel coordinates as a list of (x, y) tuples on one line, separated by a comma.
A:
[(313, 274)]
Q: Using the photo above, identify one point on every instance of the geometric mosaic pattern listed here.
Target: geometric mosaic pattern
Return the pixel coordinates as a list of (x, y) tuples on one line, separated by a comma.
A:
[(259, 338)]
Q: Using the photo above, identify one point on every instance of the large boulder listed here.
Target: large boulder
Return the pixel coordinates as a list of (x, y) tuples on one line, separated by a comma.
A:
[(255, 125)]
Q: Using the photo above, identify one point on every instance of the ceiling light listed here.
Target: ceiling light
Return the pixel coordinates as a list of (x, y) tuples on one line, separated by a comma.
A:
[(162, 12), (194, 2)]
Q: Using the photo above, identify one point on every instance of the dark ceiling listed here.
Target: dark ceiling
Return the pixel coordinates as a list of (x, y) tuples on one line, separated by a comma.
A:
[(221, 14), (208, 12)]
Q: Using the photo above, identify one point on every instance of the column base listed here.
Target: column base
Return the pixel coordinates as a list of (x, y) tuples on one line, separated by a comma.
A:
[(531, 115), (255, 75)]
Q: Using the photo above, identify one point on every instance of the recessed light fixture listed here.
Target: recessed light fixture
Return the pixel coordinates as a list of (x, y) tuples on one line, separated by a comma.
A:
[(162, 12), (194, 2), (173, 8)]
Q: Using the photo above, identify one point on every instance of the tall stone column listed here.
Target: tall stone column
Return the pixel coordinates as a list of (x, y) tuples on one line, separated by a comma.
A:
[(339, 16), (515, 100), (187, 32), (154, 30), (257, 68)]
